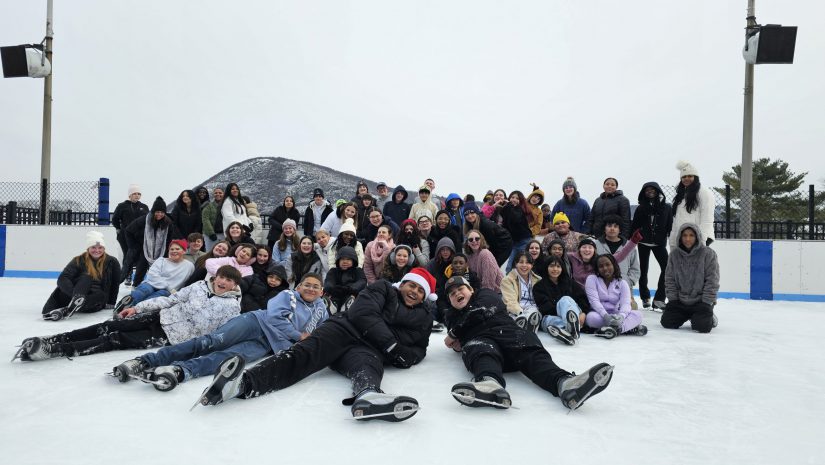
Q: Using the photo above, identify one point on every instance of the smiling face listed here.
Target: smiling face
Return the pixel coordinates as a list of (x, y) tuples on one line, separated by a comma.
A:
[(243, 254), (262, 257), (587, 251), (514, 201), (402, 257), (220, 249), (524, 267), (442, 220), (610, 186), (222, 285), (498, 196), (176, 253), (159, 215), (217, 194), (306, 245), (376, 218), (556, 250), (322, 238), (535, 200), (383, 233), (347, 237), (96, 251), (412, 293), (688, 180), (605, 267), (234, 191), (474, 240), (235, 231), (310, 289), (569, 191), (195, 245), (562, 228), (459, 265), (534, 249), (289, 202), (460, 296), (289, 230), (554, 271), (184, 197), (399, 197), (471, 216), (349, 211)]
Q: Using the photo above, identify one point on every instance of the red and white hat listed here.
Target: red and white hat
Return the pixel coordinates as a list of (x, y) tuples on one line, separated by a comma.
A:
[(423, 278)]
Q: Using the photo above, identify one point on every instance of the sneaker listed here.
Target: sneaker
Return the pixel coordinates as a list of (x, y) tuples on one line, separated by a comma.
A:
[(375, 405), (487, 390), (640, 330), (607, 332), (561, 335), (574, 390), (227, 383), (658, 305), (646, 303), (129, 368), (533, 321), (573, 325), (123, 303), (39, 349), (74, 306)]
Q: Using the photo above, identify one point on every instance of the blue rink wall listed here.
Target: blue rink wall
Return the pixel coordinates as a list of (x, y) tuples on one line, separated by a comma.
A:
[(764, 270)]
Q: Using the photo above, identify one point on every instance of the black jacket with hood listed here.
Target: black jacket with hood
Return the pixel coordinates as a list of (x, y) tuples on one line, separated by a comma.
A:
[(653, 216), (398, 211)]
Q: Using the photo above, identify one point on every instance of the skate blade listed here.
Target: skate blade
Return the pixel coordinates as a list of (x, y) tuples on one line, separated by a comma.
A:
[(149, 381), (18, 354), (386, 414), (476, 399), (605, 379)]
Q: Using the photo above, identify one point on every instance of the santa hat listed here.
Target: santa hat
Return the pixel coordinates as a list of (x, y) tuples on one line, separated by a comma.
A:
[(423, 278), (94, 238)]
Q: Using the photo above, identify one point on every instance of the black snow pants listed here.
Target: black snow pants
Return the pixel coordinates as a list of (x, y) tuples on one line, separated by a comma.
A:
[(141, 332), (95, 297)]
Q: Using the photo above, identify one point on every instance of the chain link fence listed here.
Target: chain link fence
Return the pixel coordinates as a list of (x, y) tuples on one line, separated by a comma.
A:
[(74, 202)]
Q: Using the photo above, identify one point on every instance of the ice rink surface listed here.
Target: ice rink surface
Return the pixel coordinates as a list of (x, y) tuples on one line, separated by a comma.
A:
[(751, 392)]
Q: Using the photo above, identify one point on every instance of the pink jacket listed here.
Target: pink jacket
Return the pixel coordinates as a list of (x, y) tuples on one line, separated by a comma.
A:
[(374, 256), (213, 264)]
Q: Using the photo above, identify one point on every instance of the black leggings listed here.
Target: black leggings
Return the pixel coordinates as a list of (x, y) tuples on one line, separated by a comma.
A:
[(141, 332), (660, 252)]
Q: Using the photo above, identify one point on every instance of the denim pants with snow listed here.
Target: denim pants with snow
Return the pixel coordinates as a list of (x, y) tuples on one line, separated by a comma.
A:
[(564, 305), (144, 291), (202, 355)]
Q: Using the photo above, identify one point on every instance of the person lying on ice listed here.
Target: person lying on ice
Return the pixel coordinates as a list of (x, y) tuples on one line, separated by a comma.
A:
[(197, 309), (491, 343), (387, 323), (289, 317)]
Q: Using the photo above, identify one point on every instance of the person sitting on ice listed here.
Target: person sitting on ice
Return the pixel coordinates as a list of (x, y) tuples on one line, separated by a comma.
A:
[(88, 283), (165, 276), (289, 317), (609, 298), (491, 343), (192, 311), (691, 282), (387, 324), (344, 281)]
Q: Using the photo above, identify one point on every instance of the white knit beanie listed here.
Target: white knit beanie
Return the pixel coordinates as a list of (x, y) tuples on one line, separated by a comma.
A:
[(94, 238), (686, 169), (348, 225), (134, 189)]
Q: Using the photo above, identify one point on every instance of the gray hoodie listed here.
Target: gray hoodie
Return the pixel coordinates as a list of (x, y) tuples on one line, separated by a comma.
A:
[(692, 275)]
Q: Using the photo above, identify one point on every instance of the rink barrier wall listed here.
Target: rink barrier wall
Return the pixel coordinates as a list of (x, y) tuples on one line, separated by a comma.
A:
[(763, 270)]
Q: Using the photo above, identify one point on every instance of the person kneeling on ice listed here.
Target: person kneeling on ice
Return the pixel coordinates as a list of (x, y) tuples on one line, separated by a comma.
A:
[(195, 310), (491, 343), (289, 317), (691, 282), (388, 323)]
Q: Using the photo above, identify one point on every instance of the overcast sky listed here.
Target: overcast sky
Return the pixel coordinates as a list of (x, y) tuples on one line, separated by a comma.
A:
[(476, 94)]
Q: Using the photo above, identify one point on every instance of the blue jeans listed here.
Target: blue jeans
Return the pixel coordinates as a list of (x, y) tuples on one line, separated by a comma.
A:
[(144, 291), (517, 247), (564, 305), (203, 355)]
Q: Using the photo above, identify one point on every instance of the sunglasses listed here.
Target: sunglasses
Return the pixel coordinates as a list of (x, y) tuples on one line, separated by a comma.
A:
[(473, 239)]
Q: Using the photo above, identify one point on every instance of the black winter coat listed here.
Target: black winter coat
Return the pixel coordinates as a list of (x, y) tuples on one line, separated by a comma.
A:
[(653, 217), (309, 219), (547, 295), (613, 204), (109, 282), (186, 222), (125, 213), (370, 232), (258, 293), (397, 211), (515, 221), (499, 240), (341, 284), (135, 233), (277, 218), (380, 318), (486, 316)]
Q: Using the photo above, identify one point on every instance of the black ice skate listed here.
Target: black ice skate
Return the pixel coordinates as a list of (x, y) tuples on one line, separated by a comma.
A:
[(607, 332), (121, 304), (574, 390), (163, 378), (484, 393), (374, 405), (573, 326), (128, 369), (529, 322), (226, 384), (561, 335), (38, 349), (640, 330)]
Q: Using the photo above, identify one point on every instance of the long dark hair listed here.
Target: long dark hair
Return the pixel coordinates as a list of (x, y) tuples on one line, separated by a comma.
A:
[(689, 194), (522, 204), (195, 204), (563, 277), (237, 201)]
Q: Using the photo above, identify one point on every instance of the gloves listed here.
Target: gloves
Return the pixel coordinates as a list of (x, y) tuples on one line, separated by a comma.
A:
[(709, 241), (636, 237), (213, 237), (247, 228), (403, 356), (614, 319)]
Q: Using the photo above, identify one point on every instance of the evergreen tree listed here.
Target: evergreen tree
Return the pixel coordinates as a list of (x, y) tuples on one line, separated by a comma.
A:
[(775, 195)]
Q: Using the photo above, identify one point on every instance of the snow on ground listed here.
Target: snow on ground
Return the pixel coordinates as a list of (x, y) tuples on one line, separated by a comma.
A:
[(750, 392)]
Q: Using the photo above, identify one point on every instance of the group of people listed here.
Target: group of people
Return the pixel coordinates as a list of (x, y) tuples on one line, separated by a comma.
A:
[(370, 279)]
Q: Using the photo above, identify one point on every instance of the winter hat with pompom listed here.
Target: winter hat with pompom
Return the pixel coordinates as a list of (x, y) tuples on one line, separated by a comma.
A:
[(94, 238), (423, 278), (686, 169)]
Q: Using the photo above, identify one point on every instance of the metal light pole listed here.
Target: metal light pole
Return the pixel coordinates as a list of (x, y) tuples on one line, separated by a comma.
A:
[(746, 175), (46, 153)]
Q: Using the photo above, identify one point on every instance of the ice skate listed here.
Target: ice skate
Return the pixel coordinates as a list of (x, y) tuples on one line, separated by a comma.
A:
[(607, 332), (646, 303), (128, 369), (573, 325), (574, 390), (74, 306), (561, 335), (122, 303), (715, 320), (228, 382), (23, 350), (55, 315), (640, 330), (485, 393), (658, 305), (39, 349), (374, 405), (163, 378)]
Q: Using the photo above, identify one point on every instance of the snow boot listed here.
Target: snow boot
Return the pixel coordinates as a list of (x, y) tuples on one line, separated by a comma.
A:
[(640, 330), (129, 368), (561, 335), (227, 383), (607, 332), (574, 390), (487, 390), (38, 349), (377, 405), (573, 326)]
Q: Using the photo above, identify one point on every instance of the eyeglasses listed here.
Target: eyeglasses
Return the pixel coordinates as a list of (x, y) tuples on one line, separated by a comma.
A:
[(314, 287), (473, 239)]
